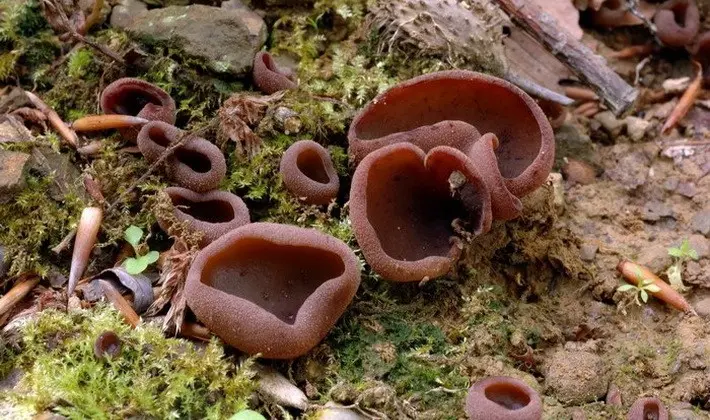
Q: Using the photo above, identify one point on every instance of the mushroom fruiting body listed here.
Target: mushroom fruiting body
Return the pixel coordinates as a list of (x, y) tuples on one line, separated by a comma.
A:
[(648, 408), (272, 289), (307, 171), (677, 22), (503, 398), (138, 98), (401, 208), (213, 214), (196, 164), (268, 77)]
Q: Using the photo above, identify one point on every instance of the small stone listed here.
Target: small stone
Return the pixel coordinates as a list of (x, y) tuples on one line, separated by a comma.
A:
[(65, 176), (588, 251), (333, 411), (576, 377), (683, 411), (610, 123), (671, 183), (636, 127), (687, 189), (288, 120), (579, 172), (125, 12), (654, 210), (234, 5), (13, 168), (655, 258), (701, 222), (703, 307), (275, 387)]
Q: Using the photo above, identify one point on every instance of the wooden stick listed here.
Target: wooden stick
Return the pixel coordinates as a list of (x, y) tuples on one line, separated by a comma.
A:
[(65, 132), (618, 95), (17, 293), (120, 303)]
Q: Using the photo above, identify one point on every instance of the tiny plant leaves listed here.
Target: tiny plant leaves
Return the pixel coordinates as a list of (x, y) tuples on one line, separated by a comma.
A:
[(133, 236), (644, 296), (626, 287), (647, 282), (151, 257), (247, 415), (684, 251), (135, 265), (653, 288)]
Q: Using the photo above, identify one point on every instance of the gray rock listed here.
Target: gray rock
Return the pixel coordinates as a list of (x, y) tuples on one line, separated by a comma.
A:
[(702, 307), (655, 257), (687, 189), (683, 411), (701, 222), (654, 210), (65, 175), (333, 411), (610, 123), (125, 12), (576, 377), (13, 168), (226, 39), (588, 251), (234, 5), (636, 127)]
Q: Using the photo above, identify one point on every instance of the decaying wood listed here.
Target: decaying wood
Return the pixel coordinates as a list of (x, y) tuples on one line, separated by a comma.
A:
[(618, 95)]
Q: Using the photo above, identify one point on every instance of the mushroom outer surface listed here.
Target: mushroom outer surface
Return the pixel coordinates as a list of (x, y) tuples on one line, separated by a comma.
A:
[(503, 398), (307, 171)]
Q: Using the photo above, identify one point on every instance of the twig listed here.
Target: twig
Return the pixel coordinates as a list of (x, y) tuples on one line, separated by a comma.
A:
[(618, 95), (64, 131), (17, 293), (537, 90), (686, 101), (120, 303), (64, 244)]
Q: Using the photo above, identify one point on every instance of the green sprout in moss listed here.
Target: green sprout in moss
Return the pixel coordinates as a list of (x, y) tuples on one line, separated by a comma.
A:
[(137, 265), (641, 290), (680, 255)]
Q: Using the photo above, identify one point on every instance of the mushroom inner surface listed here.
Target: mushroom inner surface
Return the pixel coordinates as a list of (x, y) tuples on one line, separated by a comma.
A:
[(195, 160), (158, 136), (278, 278), (411, 214), (212, 211), (130, 101), (679, 10), (651, 411), (508, 396), (311, 164)]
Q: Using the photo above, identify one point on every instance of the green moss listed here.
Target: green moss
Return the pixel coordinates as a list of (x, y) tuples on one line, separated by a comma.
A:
[(81, 63), (154, 376)]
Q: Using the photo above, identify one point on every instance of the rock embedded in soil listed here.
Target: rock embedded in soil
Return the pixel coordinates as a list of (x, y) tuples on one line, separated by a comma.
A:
[(588, 251), (576, 377), (13, 168), (226, 39), (655, 258), (579, 172), (636, 127), (701, 222), (126, 11), (700, 244), (654, 210)]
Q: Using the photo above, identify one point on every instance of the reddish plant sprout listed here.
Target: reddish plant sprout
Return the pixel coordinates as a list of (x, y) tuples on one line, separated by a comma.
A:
[(308, 172), (677, 22), (272, 289), (503, 398), (648, 408), (213, 213), (196, 164), (138, 98), (268, 77)]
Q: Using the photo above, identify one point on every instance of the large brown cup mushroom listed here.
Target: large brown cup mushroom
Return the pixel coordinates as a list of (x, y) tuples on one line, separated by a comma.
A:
[(196, 164), (307, 171), (272, 289), (138, 98), (648, 408), (402, 209), (268, 77), (503, 398), (213, 214), (677, 22), (450, 108)]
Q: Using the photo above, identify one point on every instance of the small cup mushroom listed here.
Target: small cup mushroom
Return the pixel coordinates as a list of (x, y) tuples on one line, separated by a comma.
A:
[(272, 289), (307, 171), (107, 345), (648, 408), (268, 77), (197, 164), (401, 208), (213, 214), (503, 398), (677, 22), (138, 98)]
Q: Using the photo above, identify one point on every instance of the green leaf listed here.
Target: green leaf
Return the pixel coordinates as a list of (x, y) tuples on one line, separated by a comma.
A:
[(151, 257), (626, 287), (675, 252), (653, 288), (646, 282), (247, 415), (644, 296), (133, 236), (135, 265)]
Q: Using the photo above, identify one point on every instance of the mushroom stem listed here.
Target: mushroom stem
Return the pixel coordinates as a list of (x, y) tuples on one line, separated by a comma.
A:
[(106, 122), (89, 225), (636, 274), (532, 88), (67, 133), (686, 101), (18, 291), (120, 303)]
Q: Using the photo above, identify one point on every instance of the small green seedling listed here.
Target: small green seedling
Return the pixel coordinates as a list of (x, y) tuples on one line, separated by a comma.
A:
[(137, 265), (680, 255), (640, 290)]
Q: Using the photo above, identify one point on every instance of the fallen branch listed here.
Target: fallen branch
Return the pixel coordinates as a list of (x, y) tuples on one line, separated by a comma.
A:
[(618, 95)]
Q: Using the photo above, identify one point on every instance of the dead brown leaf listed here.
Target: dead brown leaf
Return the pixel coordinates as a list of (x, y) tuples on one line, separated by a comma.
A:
[(238, 115)]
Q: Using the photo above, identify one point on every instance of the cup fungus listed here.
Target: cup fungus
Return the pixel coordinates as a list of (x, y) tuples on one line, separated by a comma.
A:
[(107, 345), (677, 22), (503, 398), (268, 77), (613, 14), (402, 209), (307, 171), (272, 289), (648, 408), (138, 98), (197, 164), (701, 53), (214, 213)]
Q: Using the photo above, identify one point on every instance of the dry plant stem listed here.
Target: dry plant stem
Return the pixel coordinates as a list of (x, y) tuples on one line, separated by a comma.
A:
[(618, 95), (632, 51), (65, 132), (636, 274), (106, 122), (686, 101), (534, 89), (17, 293), (120, 303), (580, 93), (93, 17), (64, 244)]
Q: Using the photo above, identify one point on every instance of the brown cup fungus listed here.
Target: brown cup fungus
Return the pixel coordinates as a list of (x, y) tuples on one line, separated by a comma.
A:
[(138, 98), (272, 289), (614, 14), (677, 22), (268, 77), (307, 171), (648, 408), (402, 206), (197, 164), (213, 213), (503, 398)]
